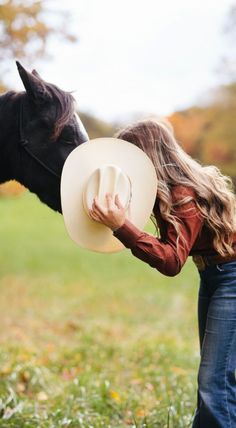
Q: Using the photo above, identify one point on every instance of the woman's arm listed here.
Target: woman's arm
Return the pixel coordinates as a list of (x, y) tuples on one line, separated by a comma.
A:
[(167, 256)]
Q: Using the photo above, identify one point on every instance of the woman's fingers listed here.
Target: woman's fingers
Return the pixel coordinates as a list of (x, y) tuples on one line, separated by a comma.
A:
[(112, 215), (118, 203), (94, 210), (97, 212), (93, 215), (96, 206), (110, 203)]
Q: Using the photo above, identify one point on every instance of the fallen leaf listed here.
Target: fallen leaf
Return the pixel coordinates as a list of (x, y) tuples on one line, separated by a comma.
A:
[(178, 370), (20, 387), (42, 396), (25, 376), (140, 413), (5, 370), (149, 386), (115, 395)]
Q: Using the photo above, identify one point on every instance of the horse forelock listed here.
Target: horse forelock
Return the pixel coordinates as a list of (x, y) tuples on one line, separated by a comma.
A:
[(64, 108)]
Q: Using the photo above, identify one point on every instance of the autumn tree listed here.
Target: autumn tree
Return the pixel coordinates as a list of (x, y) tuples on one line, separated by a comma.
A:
[(189, 126), (209, 133), (25, 28)]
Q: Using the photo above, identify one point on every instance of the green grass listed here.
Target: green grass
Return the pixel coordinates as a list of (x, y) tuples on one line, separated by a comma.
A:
[(90, 340)]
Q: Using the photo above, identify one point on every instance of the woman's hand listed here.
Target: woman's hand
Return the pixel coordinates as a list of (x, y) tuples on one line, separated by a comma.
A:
[(113, 216)]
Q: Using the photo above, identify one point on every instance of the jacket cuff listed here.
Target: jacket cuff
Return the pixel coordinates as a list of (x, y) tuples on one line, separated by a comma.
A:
[(128, 234)]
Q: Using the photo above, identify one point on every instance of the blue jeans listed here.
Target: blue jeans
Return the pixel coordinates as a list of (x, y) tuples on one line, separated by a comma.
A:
[(217, 332)]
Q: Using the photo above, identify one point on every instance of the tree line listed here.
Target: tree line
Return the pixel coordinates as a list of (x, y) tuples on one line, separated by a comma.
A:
[(207, 133)]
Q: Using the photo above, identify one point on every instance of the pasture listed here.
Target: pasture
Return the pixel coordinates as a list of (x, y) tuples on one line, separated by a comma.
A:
[(90, 340)]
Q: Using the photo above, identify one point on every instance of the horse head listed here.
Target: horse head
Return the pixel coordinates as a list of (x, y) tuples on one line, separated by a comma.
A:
[(49, 129)]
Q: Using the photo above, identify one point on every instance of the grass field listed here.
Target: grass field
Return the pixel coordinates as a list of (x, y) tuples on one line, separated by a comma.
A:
[(90, 340)]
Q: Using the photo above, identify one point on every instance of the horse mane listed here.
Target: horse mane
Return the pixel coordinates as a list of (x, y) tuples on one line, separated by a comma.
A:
[(6, 96), (64, 108), (64, 104)]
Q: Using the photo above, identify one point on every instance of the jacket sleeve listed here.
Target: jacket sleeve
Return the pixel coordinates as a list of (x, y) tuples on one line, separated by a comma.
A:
[(169, 255)]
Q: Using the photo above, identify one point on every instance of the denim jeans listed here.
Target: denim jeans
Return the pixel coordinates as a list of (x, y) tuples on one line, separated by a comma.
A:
[(217, 332)]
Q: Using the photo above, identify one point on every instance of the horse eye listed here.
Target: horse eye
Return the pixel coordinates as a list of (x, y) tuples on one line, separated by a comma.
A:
[(46, 123), (67, 141)]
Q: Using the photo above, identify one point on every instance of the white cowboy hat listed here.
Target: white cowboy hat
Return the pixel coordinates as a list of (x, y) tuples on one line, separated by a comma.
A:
[(97, 167)]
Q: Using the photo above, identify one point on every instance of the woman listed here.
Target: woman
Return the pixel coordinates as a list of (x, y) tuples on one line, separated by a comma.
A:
[(195, 212)]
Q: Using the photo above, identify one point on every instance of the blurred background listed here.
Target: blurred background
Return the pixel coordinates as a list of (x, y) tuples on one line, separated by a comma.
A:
[(128, 60), (114, 346)]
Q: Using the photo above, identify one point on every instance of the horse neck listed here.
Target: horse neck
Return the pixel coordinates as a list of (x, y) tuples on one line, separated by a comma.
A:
[(9, 111)]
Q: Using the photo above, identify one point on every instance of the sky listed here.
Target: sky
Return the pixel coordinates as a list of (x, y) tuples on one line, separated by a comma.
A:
[(136, 58)]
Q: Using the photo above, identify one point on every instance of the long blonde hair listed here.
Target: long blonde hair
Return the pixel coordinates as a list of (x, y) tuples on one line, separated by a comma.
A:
[(214, 191)]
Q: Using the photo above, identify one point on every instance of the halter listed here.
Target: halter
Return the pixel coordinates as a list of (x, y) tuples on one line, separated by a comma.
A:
[(24, 142)]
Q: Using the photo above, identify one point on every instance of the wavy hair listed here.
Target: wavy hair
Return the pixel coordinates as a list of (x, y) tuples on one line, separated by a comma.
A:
[(215, 198)]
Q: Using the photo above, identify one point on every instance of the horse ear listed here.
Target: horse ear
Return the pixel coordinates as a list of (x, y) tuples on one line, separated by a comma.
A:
[(35, 73), (34, 85)]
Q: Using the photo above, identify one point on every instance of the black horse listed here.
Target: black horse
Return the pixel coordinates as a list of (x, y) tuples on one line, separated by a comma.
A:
[(38, 130)]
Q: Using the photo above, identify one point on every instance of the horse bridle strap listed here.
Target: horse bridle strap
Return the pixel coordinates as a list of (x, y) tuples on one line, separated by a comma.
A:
[(25, 142)]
